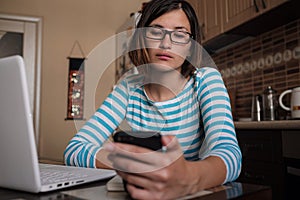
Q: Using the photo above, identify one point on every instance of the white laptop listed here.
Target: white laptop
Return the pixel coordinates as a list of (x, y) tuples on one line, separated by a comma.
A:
[(19, 167)]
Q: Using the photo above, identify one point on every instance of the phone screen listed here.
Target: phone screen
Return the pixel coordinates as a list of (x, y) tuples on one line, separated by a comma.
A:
[(150, 140)]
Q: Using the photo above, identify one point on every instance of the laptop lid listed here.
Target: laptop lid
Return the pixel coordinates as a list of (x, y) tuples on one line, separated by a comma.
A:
[(19, 167), (19, 161)]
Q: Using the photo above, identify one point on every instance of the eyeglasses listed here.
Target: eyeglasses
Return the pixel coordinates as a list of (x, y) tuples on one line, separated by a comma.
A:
[(177, 37)]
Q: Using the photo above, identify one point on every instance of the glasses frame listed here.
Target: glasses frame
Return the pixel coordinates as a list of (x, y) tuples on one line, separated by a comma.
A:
[(165, 32)]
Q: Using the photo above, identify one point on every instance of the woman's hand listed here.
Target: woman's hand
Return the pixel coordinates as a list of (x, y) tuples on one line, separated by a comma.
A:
[(154, 175)]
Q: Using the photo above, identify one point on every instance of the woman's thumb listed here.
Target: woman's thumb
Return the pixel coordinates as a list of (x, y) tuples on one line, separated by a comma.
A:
[(169, 141)]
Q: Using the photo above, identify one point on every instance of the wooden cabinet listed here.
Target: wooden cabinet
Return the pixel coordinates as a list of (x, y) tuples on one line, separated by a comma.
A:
[(208, 12), (263, 161), (210, 18), (237, 12), (219, 16)]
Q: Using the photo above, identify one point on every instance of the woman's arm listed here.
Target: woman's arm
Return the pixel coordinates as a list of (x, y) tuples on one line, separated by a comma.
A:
[(220, 138), (102, 161), (210, 172), (85, 148)]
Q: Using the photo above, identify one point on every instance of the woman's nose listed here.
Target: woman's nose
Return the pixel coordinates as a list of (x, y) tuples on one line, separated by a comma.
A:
[(166, 42)]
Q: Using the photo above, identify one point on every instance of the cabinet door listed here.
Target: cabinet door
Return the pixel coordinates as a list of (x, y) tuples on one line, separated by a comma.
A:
[(236, 12), (264, 173), (210, 18), (218, 16), (261, 145)]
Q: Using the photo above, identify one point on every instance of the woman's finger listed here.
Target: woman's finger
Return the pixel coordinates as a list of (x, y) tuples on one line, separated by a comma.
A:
[(133, 152), (171, 142), (141, 186), (132, 165), (135, 159)]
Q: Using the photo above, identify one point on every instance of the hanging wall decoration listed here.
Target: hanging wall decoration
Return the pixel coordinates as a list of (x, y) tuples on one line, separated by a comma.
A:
[(75, 85)]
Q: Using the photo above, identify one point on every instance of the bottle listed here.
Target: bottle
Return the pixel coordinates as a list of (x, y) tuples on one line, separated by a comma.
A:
[(270, 104), (256, 108)]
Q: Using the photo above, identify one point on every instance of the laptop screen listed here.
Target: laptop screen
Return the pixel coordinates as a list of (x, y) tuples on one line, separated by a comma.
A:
[(18, 154)]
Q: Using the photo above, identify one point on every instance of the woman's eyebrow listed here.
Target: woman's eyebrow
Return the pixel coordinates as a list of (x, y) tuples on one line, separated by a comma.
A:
[(156, 26), (177, 28)]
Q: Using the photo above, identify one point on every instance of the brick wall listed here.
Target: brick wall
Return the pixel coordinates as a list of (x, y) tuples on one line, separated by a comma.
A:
[(272, 58)]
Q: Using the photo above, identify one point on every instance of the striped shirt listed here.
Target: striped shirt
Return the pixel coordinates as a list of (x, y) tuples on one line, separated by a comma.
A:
[(199, 116)]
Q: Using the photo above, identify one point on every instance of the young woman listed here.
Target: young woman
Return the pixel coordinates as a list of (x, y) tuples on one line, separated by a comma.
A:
[(173, 94)]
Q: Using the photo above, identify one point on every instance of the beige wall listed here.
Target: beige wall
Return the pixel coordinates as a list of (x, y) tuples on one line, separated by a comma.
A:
[(90, 22)]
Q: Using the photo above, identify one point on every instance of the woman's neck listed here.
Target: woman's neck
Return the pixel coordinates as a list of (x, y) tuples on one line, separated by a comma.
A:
[(164, 86)]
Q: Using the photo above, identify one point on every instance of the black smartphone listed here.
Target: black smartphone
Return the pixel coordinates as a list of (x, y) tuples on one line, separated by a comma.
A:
[(150, 140), (146, 139)]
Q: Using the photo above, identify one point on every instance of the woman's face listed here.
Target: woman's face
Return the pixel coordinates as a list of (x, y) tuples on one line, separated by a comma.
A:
[(164, 53)]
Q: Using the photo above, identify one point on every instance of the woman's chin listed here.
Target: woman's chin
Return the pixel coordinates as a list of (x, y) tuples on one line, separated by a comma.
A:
[(161, 67)]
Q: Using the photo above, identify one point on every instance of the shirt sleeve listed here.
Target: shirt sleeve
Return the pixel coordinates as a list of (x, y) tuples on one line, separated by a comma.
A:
[(220, 137), (83, 147)]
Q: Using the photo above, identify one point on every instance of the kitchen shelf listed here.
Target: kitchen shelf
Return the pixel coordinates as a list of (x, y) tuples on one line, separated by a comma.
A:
[(277, 124)]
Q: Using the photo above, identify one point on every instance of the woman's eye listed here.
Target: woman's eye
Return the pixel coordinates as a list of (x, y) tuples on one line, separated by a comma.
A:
[(153, 32), (179, 35)]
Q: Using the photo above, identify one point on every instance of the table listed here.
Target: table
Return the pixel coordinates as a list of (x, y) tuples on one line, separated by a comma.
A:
[(97, 190)]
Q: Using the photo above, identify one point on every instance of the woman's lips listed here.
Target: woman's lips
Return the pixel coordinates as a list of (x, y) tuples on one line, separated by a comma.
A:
[(164, 56)]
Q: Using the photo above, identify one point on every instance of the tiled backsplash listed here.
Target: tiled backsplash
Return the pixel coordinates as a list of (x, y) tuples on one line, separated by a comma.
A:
[(272, 58)]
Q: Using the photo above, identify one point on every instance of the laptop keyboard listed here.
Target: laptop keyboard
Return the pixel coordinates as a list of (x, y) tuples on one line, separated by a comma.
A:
[(54, 174)]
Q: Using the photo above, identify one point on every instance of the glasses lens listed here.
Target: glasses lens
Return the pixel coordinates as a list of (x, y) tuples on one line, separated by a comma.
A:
[(180, 37), (154, 33)]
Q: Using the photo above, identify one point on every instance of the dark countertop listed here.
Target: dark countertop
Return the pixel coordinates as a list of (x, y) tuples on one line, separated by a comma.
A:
[(277, 124), (97, 190)]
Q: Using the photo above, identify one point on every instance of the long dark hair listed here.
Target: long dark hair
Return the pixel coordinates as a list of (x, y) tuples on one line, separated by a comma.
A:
[(138, 54)]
